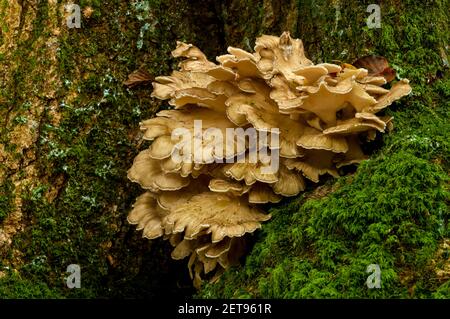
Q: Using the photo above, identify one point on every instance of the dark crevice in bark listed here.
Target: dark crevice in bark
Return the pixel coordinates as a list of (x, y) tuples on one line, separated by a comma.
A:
[(208, 27)]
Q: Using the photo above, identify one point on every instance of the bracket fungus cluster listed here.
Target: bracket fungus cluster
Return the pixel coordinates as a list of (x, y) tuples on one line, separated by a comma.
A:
[(323, 112)]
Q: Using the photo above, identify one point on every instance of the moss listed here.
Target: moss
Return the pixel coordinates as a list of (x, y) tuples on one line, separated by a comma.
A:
[(6, 199), (12, 286), (393, 213), (443, 292)]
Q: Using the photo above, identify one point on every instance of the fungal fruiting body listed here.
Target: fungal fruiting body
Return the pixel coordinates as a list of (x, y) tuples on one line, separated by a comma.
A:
[(205, 206)]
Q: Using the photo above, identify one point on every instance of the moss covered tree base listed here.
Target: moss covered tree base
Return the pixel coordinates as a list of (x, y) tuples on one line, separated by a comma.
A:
[(69, 131)]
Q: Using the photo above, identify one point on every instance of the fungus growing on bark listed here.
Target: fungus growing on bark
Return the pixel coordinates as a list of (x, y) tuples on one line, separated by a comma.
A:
[(206, 203)]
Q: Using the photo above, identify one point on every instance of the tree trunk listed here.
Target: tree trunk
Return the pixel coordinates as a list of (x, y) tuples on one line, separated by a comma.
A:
[(69, 132)]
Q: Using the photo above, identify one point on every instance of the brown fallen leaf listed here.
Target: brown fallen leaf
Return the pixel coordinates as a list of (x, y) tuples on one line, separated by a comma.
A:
[(377, 66), (138, 77)]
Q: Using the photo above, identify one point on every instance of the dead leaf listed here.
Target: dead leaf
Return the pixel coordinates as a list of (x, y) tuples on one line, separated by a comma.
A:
[(377, 66), (138, 77)]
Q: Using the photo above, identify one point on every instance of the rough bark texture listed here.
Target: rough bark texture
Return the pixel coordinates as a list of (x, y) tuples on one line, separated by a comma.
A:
[(69, 131)]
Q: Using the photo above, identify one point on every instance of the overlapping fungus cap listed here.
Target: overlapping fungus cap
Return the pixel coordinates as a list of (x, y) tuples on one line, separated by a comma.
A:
[(206, 207)]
